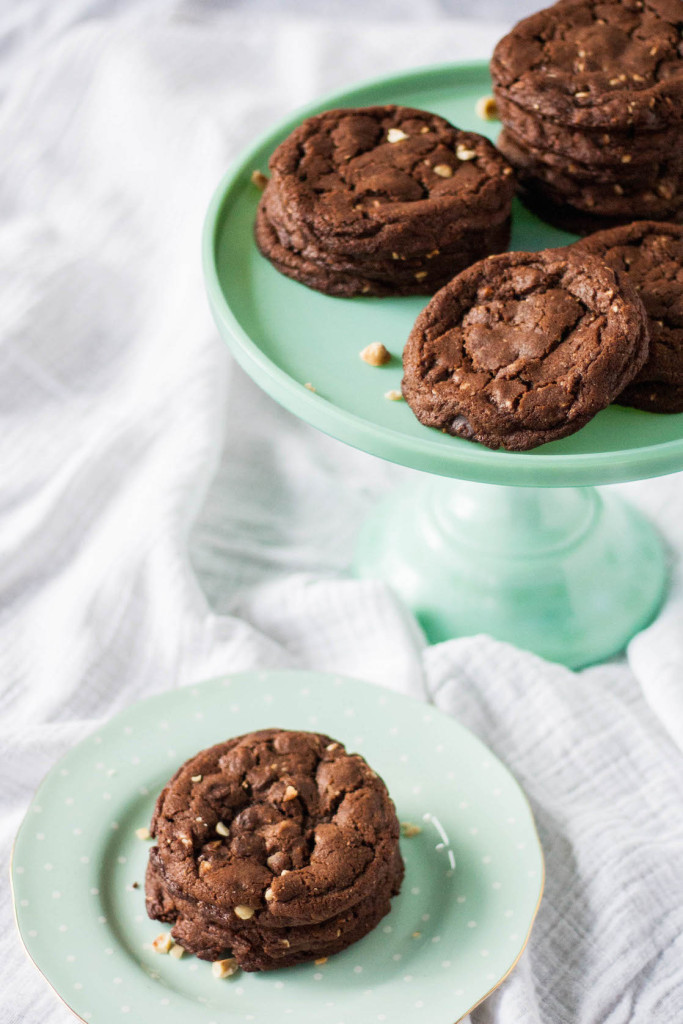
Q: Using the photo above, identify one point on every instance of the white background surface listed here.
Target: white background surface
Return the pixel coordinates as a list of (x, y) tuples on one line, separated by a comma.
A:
[(162, 521)]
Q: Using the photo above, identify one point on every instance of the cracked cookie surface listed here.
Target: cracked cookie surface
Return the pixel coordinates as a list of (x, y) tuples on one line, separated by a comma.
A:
[(651, 254), (278, 845), (524, 348), (381, 200), (596, 63)]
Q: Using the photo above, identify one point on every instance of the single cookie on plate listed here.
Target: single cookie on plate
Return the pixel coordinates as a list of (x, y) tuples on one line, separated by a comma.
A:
[(524, 348), (277, 846), (651, 255), (382, 201)]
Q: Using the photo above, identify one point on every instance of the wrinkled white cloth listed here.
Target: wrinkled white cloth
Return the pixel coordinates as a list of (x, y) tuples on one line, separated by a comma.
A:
[(163, 521)]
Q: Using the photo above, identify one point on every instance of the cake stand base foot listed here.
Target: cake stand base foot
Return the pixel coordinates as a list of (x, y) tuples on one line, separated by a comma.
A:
[(568, 573)]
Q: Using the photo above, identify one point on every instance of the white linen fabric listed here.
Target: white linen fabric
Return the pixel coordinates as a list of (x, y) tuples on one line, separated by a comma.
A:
[(163, 521)]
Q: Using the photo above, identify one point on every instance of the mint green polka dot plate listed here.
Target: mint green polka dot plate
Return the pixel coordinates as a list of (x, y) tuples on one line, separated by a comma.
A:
[(474, 874)]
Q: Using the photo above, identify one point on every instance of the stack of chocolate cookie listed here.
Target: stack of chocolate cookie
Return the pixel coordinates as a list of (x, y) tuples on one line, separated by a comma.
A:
[(277, 847), (590, 93), (382, 201)]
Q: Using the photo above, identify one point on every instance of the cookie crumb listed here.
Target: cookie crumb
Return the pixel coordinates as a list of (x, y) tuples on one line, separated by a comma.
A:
[(162, 943), (393, 395), (375, 354), (222, 829), (135, 885), (464, 152), (243, 912), (224, 968), (396, 135), (409, 830), (176, 951), (259, 179), (486, 108), (143, 833), (309, 386), (417, 935), (269, 895)]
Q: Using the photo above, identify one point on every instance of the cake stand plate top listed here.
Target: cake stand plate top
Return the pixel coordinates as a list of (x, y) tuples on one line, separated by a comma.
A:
[(287, 336)]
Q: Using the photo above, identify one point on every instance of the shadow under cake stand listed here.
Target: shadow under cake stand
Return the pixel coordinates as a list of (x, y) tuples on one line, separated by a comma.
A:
[(518, 545)]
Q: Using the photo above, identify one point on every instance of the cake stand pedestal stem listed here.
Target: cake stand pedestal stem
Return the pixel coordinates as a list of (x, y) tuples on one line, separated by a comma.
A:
[(569, 573)]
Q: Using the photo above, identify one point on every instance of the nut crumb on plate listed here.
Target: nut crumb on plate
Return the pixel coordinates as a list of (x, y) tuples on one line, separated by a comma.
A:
[(409, 830), (224, 968), (375, 354), (486, 108), (393, 395), (143, 833), (162, 943), (259, 179)]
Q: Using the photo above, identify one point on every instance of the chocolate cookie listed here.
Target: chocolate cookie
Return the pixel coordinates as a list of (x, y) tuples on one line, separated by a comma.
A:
[(574, 173), (279, 846), (654, 191), (382, 200), (524, 348), (596, 147), (651, 255), (596, 64)]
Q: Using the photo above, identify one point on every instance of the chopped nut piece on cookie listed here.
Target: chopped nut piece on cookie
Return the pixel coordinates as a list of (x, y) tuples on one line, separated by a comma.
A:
[(222, 829), (464, 153), (396, 135)]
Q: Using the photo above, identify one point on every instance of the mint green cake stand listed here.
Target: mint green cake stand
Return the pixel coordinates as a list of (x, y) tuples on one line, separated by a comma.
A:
[(518, 545)]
